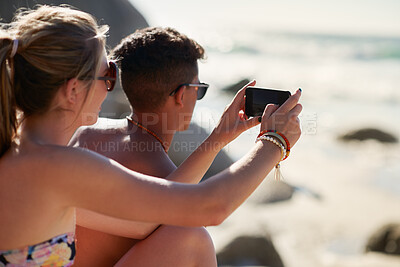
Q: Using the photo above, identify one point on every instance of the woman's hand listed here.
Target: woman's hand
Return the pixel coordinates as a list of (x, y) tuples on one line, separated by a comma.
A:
[(233, 121), (284, 119)]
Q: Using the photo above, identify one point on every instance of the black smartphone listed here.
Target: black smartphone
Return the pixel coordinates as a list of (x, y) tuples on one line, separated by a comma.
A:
[(258, 98)]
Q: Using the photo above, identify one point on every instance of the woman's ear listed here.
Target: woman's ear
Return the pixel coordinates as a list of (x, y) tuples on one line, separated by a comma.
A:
[(70, 91), (179, 95)]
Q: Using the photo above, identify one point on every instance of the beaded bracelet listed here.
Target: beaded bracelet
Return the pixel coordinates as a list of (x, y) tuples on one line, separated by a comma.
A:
[(277, 142), (282, 138)]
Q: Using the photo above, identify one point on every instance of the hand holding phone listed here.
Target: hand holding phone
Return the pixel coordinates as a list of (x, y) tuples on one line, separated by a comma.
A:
[(258, 98)]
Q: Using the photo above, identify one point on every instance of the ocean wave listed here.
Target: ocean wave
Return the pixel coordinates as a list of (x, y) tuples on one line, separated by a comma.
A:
[(297, 45)]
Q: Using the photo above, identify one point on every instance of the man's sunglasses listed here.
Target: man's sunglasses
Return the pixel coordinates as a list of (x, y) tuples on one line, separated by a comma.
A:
[(111, 76), (201, 89)]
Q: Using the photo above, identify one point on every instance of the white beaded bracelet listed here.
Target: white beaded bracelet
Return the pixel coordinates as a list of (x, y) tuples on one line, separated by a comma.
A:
[(277, 142), (277, 136)]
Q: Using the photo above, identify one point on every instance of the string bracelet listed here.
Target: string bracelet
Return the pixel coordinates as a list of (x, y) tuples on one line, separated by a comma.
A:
[(286, 140)]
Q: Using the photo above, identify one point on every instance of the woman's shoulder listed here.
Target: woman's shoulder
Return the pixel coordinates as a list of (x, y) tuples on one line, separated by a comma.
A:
[(54, 159), (60, 155), (47, 165)]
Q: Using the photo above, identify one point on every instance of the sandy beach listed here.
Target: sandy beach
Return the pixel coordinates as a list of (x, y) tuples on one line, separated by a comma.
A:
[(336, 208)]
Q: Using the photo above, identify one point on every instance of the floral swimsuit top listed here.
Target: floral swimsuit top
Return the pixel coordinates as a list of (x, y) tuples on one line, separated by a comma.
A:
[(58, 251)]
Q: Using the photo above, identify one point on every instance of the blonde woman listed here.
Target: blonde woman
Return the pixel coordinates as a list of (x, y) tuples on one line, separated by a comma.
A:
[(54, 77)]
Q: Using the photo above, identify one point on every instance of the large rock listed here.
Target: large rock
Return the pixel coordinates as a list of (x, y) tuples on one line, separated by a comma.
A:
[(123, 19), (271, 191), (369, 133), (120, 15), (250, 250), (386, 240), (233, 88)]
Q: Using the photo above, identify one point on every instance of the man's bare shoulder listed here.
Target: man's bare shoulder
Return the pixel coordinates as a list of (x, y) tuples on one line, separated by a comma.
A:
[(155, 163), (104, 130), (110, 138)]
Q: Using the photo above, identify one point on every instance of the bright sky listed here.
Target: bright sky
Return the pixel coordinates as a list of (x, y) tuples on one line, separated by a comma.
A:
[(366, 17)]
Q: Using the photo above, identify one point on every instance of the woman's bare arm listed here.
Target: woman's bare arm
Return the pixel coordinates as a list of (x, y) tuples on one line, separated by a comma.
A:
[(104, 186), (114, 226)]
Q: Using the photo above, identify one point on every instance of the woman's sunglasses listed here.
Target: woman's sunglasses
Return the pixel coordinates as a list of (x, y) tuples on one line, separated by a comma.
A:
[(201, 89), (111, 76)]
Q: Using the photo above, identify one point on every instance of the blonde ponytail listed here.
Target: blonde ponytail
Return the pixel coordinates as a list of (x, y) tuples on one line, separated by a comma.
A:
[(39, 51)]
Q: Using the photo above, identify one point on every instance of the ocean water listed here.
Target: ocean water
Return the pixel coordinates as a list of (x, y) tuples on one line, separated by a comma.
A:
[(345, 55), (341, 54)]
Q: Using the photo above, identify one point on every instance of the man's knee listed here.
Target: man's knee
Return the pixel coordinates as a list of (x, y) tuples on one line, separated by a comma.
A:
[(195, 236), (199, 235)]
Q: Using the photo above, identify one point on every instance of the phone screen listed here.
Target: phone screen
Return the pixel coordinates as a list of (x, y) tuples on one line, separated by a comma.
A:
[(258, 98)]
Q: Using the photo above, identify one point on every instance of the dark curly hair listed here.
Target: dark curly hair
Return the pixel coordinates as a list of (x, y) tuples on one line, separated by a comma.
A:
[(153, 62)]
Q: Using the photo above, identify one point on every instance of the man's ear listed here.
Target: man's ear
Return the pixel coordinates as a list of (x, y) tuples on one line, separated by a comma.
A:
[(70, 91), (179, 95)]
